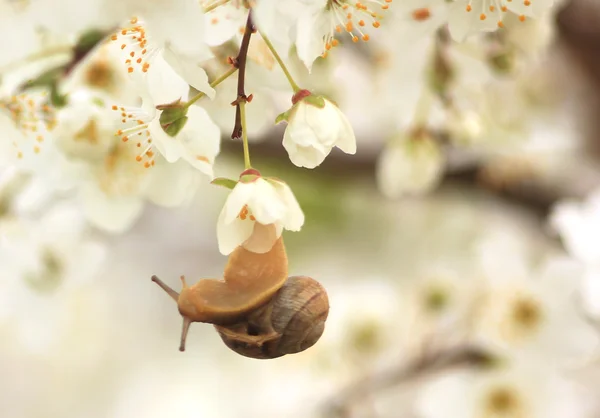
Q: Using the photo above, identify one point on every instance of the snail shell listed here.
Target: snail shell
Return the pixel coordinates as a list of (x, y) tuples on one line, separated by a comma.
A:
[(295, 315)]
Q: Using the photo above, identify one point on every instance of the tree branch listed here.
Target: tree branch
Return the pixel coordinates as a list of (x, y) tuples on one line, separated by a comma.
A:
[(462, 356), (240, 62)]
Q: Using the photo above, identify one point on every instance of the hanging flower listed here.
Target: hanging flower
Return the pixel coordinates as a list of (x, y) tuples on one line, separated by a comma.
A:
[(315, 126), (412, 164), (257, 201)]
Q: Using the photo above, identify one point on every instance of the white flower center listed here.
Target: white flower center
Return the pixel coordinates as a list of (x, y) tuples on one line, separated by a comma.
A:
[(33, 117), (497, 8), (137, 132), (502, 401), (351, 17)]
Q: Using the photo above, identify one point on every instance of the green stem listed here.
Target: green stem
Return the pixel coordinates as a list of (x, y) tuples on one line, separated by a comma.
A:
[(242, 106), (281, 64), (215, 5), (215, 83)]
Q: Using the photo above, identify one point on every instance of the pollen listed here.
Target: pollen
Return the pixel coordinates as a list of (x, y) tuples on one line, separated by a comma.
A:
[(494, 9), (136, 133), (349, 18), (421, 14), (134, 43), (34, 119), (245, 214)]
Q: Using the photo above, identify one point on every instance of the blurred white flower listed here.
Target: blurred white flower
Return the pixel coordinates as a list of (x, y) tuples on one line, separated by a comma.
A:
[(85, 128), (43, 264), (517, 391), (368, 326), (439, 303), (113, 190), (534, 314), (465, 128), (253, 200), (315, 126), (102, 72), (410, 164), (578, 224)]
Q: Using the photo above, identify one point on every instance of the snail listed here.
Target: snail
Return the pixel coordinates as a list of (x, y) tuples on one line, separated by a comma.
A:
[(257, 310)]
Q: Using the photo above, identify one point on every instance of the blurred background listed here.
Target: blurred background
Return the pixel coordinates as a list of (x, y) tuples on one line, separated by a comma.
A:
[(455, 276)]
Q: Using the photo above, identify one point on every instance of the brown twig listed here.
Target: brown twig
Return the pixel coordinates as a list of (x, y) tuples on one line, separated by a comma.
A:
[(240, 60), (463, 356)]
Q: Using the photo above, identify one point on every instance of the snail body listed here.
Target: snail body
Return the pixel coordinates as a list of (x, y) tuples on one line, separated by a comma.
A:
[(257, 310)]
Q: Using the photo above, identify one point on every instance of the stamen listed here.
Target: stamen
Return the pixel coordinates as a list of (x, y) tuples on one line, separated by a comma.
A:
[(33, 117)]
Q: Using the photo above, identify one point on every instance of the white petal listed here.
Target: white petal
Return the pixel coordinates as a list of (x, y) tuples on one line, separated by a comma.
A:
[(309, 37), (178, 25), (201, 139), (168, 146), (164, 84), (307, 157), (265, 204), (231, 234), (171, 183), (346, 141), (294, 218), (190, 70), (239, 196), (408, 168), (112, 214)]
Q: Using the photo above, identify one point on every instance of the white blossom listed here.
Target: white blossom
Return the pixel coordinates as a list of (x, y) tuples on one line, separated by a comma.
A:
[(409, 165), (515, 391), (578, 224), (314, 128), (43, 263), (257, 200), (198, 142)]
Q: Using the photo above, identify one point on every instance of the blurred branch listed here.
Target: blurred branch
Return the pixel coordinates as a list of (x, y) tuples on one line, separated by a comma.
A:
[(462, 356), (538, 193)]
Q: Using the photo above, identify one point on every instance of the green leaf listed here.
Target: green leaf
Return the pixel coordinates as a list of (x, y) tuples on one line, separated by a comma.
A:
[(317, 101), (225, 182), (283, 117), (172, 129), (57, 99), (172, 114), (88, 40)]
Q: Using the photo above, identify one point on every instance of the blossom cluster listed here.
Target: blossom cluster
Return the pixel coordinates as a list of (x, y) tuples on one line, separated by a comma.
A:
[(117, 105)]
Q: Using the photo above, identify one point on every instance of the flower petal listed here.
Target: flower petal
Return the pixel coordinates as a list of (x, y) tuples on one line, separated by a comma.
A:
[(164, 84), (294, 218), (190, 70), (239, 196), (231, 234), (201, 140)]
